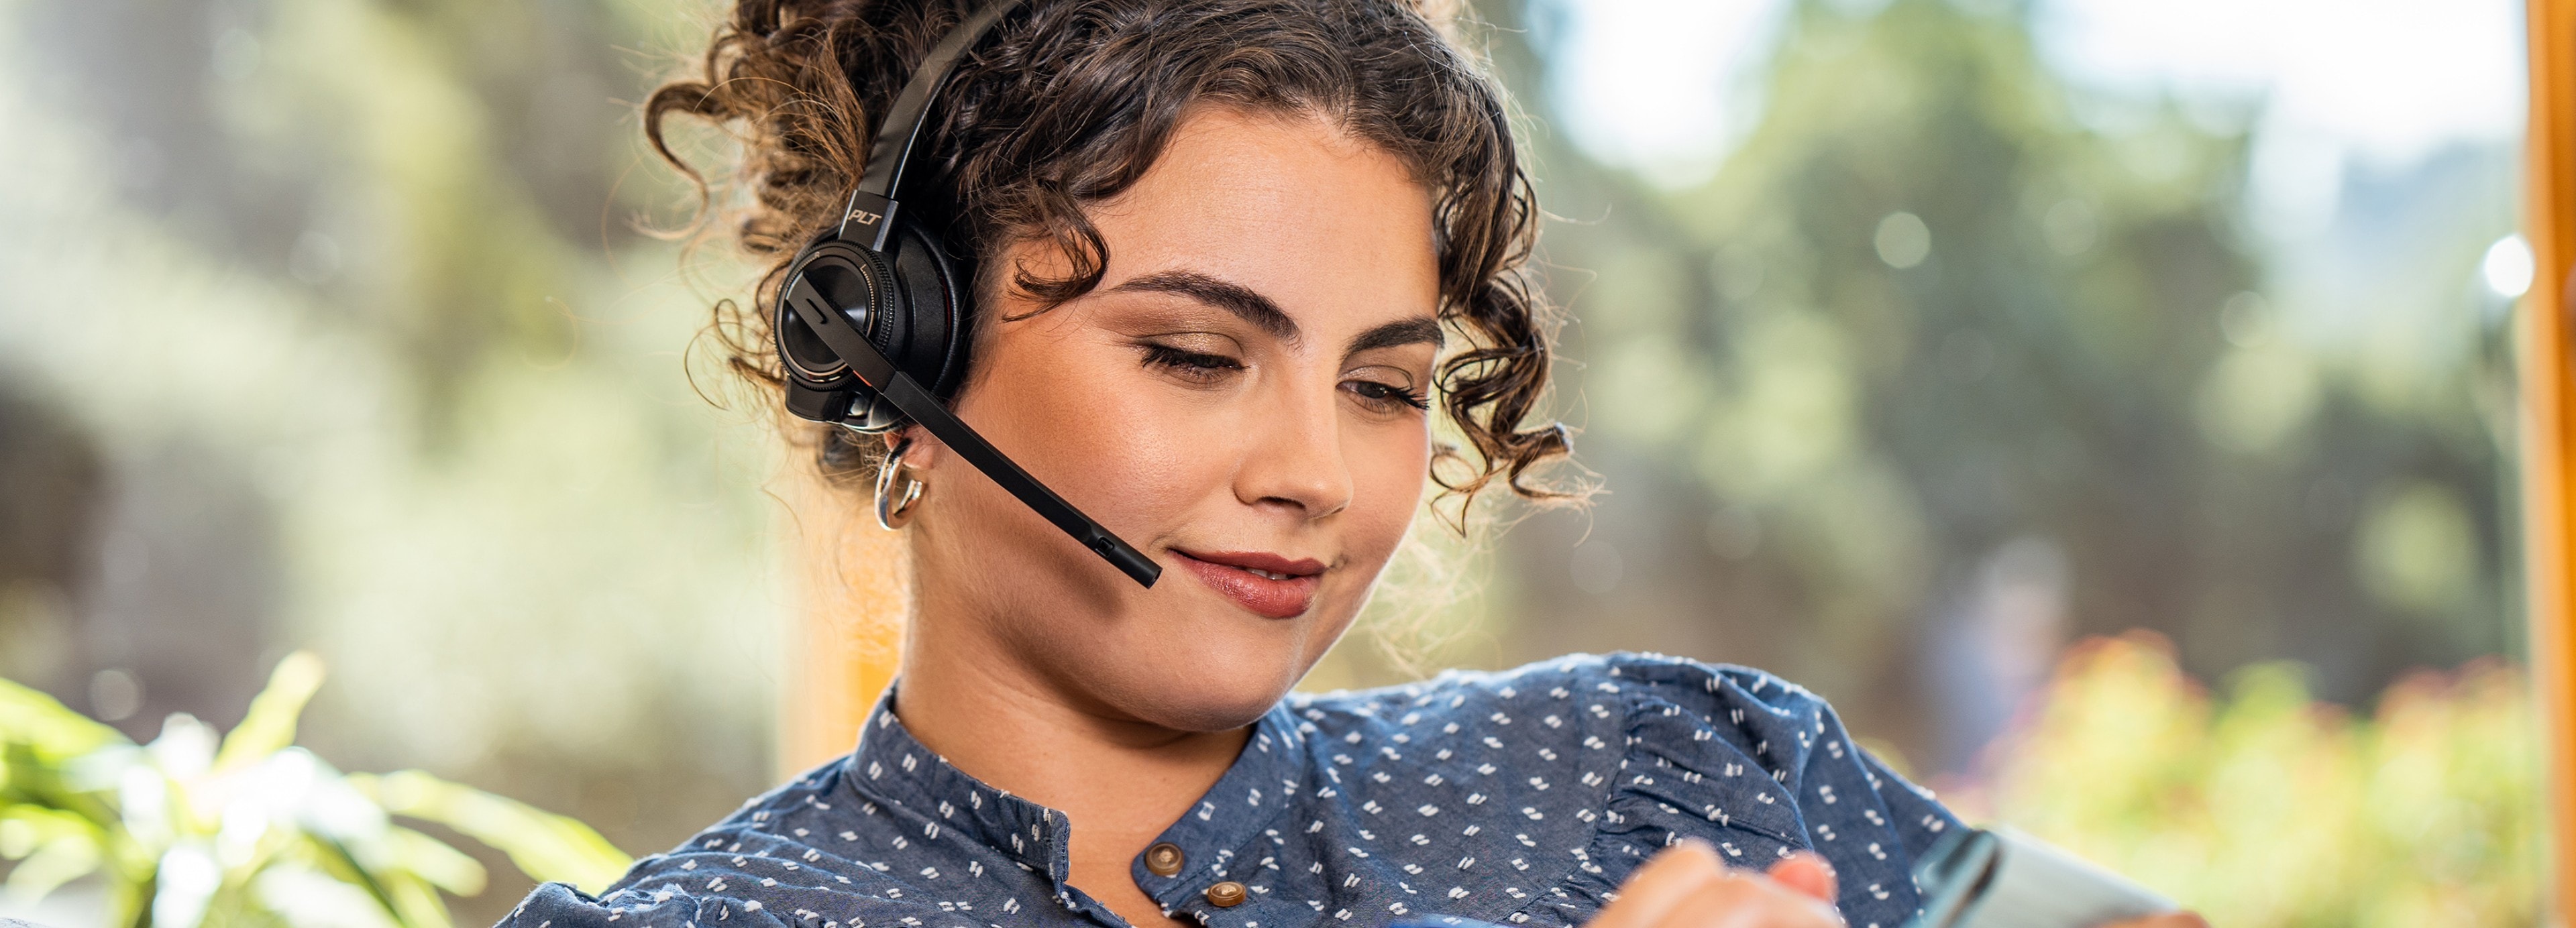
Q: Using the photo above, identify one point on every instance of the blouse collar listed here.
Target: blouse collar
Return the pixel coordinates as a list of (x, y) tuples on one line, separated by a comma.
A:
[(891, 767), (1272, 773)]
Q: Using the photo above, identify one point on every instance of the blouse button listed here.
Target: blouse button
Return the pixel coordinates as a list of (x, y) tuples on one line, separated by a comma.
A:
[(1164, 860), (1225, 895)]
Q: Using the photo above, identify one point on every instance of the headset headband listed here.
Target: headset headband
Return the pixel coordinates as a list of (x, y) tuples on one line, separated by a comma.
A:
[(871, 209)]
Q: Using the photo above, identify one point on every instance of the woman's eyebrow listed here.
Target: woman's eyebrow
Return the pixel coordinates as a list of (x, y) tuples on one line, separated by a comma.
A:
[(1221, 293), (1415, 331)]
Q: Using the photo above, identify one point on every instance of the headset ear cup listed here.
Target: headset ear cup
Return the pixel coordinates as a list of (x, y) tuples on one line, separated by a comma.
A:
[(907, 304), (936, 311), (918, 324), (849, 280), (889, 327)]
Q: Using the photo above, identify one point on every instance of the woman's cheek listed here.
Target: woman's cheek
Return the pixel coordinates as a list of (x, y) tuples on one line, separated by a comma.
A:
[(1162, 451), (1390, 461)]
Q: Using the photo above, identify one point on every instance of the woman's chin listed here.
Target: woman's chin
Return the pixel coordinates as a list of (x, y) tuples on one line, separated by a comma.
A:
[(1214, 696), (1211, 716)]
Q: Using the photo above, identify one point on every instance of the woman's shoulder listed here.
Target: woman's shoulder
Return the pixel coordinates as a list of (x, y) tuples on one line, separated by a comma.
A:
[(1636, 680), (775, 861), (1608, 722)]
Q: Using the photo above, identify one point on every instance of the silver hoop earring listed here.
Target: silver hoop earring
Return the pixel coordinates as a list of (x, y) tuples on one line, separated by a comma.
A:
[(894, 508)]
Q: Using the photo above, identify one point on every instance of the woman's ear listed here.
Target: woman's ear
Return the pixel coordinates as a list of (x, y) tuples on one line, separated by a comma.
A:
[(926, 453)]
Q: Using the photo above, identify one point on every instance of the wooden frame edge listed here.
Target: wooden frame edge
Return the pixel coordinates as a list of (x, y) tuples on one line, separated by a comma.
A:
[(2549, 525)]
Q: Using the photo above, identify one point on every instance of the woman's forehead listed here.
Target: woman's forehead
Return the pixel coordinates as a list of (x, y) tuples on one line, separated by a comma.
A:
[(1329, 229)]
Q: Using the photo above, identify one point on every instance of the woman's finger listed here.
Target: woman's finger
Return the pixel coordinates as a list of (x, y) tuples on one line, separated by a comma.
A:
[(1743, 899), (1664, 882), (2166, 920), (1808, 873)]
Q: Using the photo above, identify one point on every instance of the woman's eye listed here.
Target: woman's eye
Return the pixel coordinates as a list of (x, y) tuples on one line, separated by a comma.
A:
[(1386, 397), (1190, 365)]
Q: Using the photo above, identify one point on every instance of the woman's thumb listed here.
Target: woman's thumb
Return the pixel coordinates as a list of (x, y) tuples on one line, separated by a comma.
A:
[(1808, 873)]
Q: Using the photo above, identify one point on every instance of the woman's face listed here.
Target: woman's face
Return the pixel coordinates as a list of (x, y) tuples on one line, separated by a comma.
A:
[(1241, 398)]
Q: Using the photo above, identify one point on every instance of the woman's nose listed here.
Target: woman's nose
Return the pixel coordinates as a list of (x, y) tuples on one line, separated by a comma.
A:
[(1296, 458)]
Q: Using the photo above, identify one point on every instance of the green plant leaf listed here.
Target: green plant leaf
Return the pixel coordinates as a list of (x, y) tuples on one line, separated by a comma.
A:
[(306, 896), (416, 902), (545, 846), (444, 867), (26, 829), (270, 725), (54, 731), (67, 857)]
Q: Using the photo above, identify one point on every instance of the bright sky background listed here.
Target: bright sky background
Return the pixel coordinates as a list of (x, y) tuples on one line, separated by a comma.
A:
[(2384, 81)]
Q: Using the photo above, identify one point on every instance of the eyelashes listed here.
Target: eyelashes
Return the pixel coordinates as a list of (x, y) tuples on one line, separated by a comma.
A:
[(1204, 369), (1388, 396), (1189, 364)]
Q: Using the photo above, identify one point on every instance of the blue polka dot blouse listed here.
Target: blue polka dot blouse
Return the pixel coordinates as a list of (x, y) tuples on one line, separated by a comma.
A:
[(1515, 798)]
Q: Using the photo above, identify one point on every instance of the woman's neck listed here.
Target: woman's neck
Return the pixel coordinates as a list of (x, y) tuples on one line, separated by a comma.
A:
[(1120, 780)]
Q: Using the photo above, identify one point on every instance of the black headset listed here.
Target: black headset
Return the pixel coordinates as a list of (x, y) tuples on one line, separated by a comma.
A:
[(873, 310)]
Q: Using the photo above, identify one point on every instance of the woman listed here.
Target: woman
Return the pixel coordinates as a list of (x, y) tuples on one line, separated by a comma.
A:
[(1227, 257)]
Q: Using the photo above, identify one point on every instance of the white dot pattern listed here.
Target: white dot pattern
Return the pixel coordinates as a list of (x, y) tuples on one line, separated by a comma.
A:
[(1473, 799)]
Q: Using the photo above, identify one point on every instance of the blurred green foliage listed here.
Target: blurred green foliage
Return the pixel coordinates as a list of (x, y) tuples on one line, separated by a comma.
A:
[(248, 830), (2265, 808), (420, 401), (1939, 305)]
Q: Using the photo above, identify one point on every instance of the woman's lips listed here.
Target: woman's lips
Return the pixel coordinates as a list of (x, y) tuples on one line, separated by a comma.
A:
[(1267, 584)]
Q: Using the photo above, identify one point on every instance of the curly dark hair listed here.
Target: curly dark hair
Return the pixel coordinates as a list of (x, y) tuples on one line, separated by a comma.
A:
[(1068, 102)]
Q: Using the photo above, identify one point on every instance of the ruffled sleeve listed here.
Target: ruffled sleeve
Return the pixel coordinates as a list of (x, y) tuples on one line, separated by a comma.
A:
[(1759, 768)]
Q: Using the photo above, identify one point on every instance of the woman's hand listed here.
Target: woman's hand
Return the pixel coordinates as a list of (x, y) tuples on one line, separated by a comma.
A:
[(1687, 886)]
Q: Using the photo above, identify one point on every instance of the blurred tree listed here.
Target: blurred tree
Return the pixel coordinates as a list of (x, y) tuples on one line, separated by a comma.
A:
[(1948, 362), (415, 380)]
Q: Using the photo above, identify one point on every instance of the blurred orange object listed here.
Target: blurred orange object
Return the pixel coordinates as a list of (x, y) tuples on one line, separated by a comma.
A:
[(2549, 524), (850, 602)]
